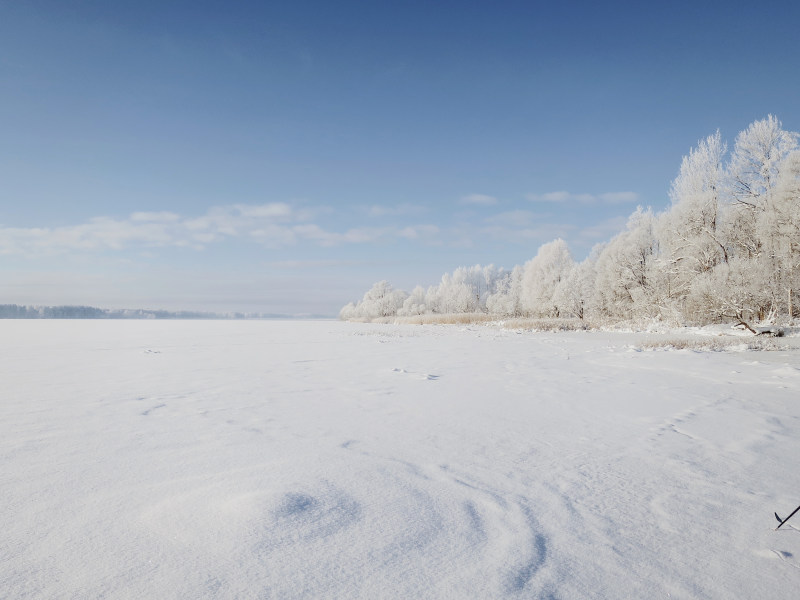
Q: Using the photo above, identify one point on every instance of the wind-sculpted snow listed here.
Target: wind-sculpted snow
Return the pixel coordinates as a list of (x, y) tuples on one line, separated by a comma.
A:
[(334, 460)]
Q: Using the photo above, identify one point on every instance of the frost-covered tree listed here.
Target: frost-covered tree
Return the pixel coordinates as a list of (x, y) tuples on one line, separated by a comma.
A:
[(505, 301), (779, 230), (737, 290), (465, 290), (482, 280), (380, 301), (348, 311), (451, 296), (753, 171), (728, 247), (574, 292), (414, 304), (760, 149), (627, 276), (541, 275), (692, 232)]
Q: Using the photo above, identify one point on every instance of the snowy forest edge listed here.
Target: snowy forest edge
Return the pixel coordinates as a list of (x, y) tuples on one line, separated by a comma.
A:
[(726, 250)]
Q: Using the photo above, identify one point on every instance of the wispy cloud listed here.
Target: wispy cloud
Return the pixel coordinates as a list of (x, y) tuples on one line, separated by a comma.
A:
[(273, 225), (479, 200), (419, 232), (562, 197), (157, 217), (323, 237), (100, 233), (275, 210), (272, 235), (295, 265)]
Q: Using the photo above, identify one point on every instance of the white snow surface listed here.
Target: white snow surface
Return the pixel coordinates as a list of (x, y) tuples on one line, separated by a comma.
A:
[(224, 459)]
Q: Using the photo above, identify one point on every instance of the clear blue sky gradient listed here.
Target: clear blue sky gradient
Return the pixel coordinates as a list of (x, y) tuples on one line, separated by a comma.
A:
[(382, 140)]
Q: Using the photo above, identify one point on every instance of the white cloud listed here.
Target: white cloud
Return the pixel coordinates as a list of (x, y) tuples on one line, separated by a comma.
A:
[(365, 235), (317, 234), (293, 265), (479, 200), (562, 197), (275, 210), (550, 197), (263, 223), (158, 217), (273, 235), (205, 238), (418, 232), (273, 225), (323, 237), (620, 197), (101, 233)]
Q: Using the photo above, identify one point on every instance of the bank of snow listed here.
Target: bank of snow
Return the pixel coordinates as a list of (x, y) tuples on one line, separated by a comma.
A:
[(340, 460)]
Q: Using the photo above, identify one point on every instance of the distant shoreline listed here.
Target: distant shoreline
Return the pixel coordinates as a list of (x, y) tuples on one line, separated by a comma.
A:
[(17, 311)]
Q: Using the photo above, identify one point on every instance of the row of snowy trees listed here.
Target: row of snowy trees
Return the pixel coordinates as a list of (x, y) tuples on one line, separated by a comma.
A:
[(728, 248), (466, 290)]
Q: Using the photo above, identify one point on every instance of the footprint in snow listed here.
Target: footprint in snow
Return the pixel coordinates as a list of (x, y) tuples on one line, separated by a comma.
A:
[(423, 376)]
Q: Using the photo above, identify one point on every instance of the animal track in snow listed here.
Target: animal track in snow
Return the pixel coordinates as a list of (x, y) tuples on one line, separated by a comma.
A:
[(145, 413)]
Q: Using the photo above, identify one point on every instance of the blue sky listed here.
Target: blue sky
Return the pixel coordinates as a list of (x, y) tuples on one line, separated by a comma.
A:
[(281, 157)]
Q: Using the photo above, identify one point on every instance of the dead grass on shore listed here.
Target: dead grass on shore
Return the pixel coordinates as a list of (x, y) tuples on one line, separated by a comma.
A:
[(696, 344), (445, 319), (527, 324), (713, 344)]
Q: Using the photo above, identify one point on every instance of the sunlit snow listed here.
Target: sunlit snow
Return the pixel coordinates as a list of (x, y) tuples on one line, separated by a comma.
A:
[(182, 459)]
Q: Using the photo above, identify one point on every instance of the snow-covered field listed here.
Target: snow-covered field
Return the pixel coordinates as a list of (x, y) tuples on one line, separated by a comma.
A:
[(180, 459)]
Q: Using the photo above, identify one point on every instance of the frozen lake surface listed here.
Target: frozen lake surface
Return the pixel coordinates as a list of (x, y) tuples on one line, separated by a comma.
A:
[(225, 459)]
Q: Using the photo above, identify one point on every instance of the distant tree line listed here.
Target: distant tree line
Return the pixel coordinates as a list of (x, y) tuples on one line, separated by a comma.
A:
[(727, 249), (15, 311)]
